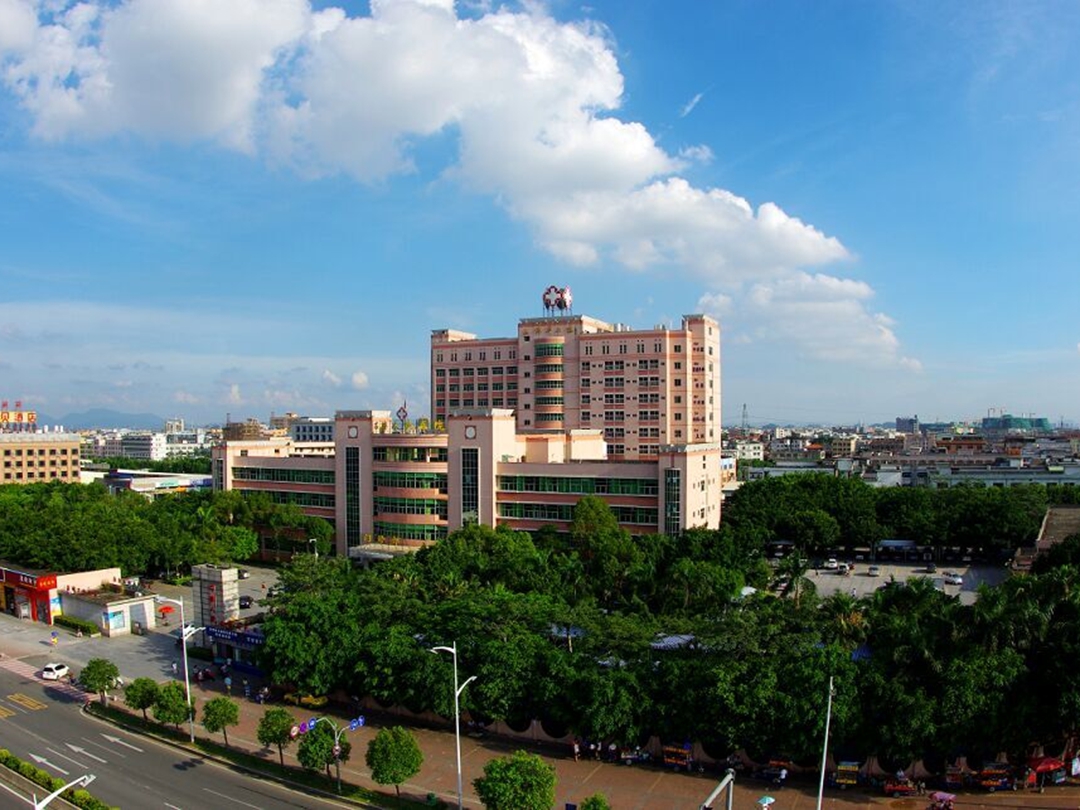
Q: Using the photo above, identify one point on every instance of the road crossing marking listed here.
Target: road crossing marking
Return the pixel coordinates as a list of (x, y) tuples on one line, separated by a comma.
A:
[(5, 712), (27, 702), (25, 670)]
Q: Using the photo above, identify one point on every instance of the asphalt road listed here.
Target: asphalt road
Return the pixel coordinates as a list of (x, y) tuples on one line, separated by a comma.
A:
[(40, 725)]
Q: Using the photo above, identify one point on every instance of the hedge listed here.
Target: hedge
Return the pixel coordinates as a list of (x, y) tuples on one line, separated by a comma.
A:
[(79, 797), (89, 628)]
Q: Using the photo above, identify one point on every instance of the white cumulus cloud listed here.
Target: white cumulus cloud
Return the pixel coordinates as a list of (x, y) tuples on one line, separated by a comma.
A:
[(827, 318), (359, 381), (331, 378)]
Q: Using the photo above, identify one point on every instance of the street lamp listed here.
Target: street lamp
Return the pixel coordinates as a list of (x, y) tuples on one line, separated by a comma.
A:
[(339, 732), (315, 546), (82, 781), (452, 649), (184, 634), (825, 746)]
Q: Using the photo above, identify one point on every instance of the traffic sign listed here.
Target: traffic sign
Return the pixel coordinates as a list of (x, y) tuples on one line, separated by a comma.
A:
[(294, 732)]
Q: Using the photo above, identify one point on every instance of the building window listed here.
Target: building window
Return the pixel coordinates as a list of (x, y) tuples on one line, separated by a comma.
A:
[(470, 485), (352, 496), (672, 502)]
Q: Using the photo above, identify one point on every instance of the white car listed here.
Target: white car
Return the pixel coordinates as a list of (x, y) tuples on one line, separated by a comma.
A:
[(952, 578), (831, 564), (55, 672)]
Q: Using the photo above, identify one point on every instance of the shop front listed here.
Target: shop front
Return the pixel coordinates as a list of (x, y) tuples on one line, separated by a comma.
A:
[(237, 648), (27, 594)]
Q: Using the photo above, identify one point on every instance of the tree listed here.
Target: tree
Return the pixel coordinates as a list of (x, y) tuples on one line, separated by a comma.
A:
[(99, 675), (171, 705), (393, 757), (142, 693), (316, 750), (220, 713), (522, 781), (275, 728), (598, 801)]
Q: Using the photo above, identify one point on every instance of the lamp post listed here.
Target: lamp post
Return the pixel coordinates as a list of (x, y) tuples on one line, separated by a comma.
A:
[(825, 746), (315, 547), (183, 652), (339, 732), (82, 781), (457, 713)]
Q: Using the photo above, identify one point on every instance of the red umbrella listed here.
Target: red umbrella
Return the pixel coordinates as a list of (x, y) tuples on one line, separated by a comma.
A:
[(164, 609)]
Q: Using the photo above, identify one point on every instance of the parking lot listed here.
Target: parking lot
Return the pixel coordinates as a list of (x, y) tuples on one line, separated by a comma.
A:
[(859, 582)]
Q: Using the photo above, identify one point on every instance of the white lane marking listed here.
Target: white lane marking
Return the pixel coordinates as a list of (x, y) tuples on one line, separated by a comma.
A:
[(82, 765), (171, 806), (19, 795), (43, 761), (79, 750), (231, 799), (118, 741)]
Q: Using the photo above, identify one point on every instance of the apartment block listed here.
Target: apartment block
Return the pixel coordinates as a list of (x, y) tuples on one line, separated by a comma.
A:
[(30, 458), (642, 389)]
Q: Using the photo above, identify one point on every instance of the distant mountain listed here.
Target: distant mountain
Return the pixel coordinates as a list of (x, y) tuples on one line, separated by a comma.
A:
[(105, 419)]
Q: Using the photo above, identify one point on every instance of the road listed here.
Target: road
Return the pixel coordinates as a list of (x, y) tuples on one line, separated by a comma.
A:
[(44, 725)]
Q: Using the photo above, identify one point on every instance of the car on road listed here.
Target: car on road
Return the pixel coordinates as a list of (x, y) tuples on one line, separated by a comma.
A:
[(246, 602), (931, 568), (952, 578), (831, 564), (55, 672), (873, 571)]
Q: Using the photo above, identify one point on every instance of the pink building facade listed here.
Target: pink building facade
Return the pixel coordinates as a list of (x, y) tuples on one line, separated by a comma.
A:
[(643, 389)]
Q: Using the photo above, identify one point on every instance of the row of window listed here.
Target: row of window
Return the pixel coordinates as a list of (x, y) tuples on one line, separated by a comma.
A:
[(640, 516), (51, 463), (286, 476), (20, 476), (496, 354), (52, 451), (577, 486), (482, 371), (549, 350), (317, 500), (411, 506), (511, 402), (410, 480), (411, 454), (605, 348), (409, 531)]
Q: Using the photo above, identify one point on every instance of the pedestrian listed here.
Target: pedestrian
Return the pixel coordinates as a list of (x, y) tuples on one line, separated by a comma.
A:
[(782, 777), (228, 685), (854, 592), (174, 668), (577, 751)]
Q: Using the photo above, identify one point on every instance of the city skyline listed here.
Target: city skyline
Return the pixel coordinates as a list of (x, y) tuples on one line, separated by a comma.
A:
[(268, 206)]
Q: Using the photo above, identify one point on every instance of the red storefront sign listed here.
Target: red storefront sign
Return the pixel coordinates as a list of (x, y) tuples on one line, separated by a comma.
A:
[(36, 582)]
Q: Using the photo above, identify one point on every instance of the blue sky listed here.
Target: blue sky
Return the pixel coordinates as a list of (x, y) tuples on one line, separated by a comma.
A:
[(215, 208)]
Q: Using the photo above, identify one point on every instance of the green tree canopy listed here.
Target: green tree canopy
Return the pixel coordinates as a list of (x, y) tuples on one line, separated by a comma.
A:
[(522, 781), (99, 675), (218, 714), (142, 693), (275, 728), (394, 756), (172, 707)]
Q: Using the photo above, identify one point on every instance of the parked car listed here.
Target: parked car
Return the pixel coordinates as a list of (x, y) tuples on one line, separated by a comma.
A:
[(831, 564), (55, 672), (246, 602), (309, 701), (873, 571), (275, 590), (243, 573), (931, 568), (952, 578)]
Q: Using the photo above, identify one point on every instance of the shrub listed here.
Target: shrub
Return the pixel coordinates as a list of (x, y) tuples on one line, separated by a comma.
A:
[(70, 622)]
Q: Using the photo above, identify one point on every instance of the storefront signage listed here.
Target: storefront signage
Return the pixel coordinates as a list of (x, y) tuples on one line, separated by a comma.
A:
[(44, 582), (235, 636)]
